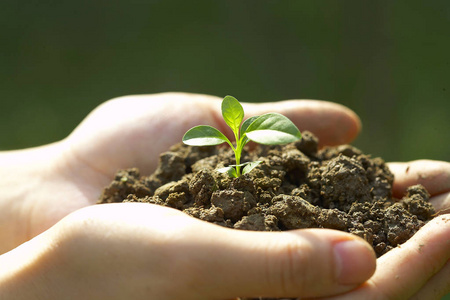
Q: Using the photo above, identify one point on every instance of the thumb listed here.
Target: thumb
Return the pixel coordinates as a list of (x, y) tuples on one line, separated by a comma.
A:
[(301, 263)]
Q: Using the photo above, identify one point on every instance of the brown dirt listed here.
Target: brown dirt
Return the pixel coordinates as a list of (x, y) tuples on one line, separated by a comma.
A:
[(295, 186)]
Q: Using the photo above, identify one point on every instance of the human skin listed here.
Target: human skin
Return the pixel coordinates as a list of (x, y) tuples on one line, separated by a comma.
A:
[(47, 197)]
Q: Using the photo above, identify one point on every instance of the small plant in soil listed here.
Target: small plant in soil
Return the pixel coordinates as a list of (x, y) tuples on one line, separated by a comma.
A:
[(293, 186), (268, 129)]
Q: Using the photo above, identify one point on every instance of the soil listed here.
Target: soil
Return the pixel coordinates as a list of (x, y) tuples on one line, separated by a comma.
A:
[(296, 186)]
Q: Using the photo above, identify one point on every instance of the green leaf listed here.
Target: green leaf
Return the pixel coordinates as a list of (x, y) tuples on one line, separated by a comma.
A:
[(230, 170), (244, 139), (247, 123), (204, 135), (273, 129), (250, 166), (232, 113)]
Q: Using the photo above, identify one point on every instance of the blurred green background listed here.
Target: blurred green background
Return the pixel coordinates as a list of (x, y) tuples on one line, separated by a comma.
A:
[(389, 61)]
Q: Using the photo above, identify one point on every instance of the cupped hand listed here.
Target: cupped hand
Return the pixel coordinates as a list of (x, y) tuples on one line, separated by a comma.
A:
[(144, 251), (131, 132)]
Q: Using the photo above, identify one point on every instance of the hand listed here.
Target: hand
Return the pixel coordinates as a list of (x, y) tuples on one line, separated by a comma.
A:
[(43, 185), (420, 268), (143, 251)]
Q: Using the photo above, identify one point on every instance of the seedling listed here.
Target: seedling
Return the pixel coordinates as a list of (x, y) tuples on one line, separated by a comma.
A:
[(267, 129)]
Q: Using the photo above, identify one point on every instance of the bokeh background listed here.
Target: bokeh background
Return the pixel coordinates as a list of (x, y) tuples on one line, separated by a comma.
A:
[(389, 61)]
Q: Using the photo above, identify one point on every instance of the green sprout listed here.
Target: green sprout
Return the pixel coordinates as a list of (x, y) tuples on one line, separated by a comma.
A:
[(267, 129)]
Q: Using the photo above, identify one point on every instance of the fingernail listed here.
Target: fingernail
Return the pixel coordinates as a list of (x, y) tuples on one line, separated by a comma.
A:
[(355, 261)]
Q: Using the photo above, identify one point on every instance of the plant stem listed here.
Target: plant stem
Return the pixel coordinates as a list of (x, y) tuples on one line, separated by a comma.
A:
[(237, 153)]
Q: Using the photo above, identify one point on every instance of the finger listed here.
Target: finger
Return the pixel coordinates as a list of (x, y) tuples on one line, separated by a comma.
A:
[(434, 175), (437, 287), (397, 275), (441, 203), (332, 123), (292, 264)]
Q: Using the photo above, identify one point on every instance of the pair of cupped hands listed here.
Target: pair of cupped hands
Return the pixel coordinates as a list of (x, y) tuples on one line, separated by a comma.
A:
[(62, 246)]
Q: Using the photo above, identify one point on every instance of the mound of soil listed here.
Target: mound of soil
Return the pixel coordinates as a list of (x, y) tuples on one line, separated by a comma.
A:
[(295, 186)]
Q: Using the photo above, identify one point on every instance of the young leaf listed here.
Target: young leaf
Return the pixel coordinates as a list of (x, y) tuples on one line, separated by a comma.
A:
[(230, 170), (244, 139), (232, 113), (247, 123), (250, 166), (273, 129), (204, 135)]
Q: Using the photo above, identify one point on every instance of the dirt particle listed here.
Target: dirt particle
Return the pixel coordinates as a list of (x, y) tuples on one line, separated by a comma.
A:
[(420, 249)]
